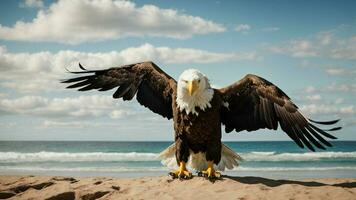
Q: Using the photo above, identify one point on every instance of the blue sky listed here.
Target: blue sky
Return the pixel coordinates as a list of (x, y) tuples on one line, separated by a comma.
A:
[(307, 48)]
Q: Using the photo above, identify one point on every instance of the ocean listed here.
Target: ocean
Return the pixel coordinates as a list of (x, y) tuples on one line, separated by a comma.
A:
[(279, 159)]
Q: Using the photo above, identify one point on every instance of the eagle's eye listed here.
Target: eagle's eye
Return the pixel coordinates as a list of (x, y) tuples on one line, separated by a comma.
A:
[(199, 81), (185, 81)]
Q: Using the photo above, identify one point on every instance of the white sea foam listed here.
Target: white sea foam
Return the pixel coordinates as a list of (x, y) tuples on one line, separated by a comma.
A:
[(83, 169), (309, 156), (267, 153), (44, 156)]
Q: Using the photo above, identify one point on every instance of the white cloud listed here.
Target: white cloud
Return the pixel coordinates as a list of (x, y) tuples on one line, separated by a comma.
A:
[(118, 114), (76, 107), (335, 71), (313, 109), (181, 55), (296, 48), (315, 97), (313, 105), (348, 110), (310, 89), (243, 28), (270, 29), (95, 20), (32, 4), (334, 87), (92, 111), (326, 44), (339, 100), (34, 72), (58, 124), (7, 124), (340, 71), (63, 124), (3, 95), (325, 38), (344, 48)]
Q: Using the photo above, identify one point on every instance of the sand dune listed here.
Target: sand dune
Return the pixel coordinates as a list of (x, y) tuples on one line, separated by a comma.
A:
[(68, 188)]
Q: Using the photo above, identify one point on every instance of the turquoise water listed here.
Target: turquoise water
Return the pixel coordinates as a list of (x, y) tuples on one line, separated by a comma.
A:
[(268, 159)]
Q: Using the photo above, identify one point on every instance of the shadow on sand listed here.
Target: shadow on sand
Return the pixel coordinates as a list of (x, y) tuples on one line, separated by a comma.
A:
[(275, 183)]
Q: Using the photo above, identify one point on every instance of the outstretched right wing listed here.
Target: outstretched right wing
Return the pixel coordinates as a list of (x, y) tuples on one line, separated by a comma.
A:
[(152, 86)]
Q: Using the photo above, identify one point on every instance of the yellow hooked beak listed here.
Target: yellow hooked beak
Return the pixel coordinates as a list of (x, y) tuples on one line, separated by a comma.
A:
[(192, 86)]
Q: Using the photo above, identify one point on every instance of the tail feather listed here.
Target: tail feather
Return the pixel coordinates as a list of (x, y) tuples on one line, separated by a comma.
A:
[(168, 157), (229, 159)]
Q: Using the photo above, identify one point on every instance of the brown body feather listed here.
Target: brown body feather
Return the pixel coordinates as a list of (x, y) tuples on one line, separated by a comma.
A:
[(199, 133)]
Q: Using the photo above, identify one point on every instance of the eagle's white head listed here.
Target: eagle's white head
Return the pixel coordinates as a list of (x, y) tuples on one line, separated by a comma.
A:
[(193, 91)]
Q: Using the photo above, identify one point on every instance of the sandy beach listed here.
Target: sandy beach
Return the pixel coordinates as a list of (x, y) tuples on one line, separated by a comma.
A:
[(67, 188)]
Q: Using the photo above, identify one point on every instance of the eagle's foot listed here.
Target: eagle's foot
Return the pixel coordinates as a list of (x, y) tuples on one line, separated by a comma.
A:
[(181, 173), (210, 173)]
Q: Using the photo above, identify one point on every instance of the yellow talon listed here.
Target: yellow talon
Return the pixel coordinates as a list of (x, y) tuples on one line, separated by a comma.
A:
[(211, 172), (182, 172)]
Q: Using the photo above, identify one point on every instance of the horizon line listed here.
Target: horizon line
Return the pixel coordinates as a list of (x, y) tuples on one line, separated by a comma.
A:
[(153, 141)]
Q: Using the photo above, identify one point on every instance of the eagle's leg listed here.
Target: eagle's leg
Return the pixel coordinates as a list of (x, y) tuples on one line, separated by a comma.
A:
[(182, 155), (182, 172), (213, 156), (211, 172)]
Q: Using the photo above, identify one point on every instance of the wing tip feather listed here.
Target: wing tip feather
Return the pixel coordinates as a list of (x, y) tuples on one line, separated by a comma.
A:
[(324, 122), (81, 67)]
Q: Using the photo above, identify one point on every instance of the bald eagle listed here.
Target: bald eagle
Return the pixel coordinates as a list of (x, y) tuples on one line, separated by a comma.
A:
[(198, 111)]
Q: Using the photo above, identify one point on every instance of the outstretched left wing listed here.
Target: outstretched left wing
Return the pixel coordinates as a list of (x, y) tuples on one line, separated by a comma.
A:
[(254, 103), (151, 85)]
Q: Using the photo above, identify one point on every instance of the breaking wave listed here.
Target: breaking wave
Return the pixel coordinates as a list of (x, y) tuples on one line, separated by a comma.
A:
[(44, 156), (308, 156), (84, 169)]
